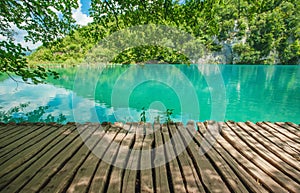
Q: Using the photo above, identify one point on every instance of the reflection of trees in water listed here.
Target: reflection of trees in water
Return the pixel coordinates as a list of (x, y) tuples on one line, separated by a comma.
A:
[(20, 113), (3, 77), (98, 84), (251, 87)]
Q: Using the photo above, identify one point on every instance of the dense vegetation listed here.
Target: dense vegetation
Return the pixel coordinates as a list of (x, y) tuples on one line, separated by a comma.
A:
[(40, 20), (233, 31)]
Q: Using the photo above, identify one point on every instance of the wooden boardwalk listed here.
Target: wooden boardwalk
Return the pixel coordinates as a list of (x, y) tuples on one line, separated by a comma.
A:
[(138, 157)]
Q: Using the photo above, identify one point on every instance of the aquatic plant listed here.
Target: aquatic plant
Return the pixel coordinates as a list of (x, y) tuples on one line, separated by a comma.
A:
[(169, 113), (143, 115)]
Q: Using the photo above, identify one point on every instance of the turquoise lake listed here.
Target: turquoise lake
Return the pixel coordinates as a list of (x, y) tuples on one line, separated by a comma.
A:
[(195, 92)]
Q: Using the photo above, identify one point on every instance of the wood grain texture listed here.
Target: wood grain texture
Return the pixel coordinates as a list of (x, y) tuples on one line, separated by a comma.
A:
[(142, 157)]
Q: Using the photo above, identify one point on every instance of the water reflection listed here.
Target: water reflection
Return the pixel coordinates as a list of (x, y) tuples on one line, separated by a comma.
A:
[(255, 93), (22, 113)]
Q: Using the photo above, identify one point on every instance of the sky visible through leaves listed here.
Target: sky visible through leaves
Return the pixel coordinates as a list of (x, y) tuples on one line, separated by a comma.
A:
[(81, 15)]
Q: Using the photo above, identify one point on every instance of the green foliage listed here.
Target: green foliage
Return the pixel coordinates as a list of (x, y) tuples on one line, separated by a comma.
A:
[(41, 22), (70, 50), (246, 54), (272, 28), (143, 115), (150, 54), (18, 114), (169, 114), (256, 32), (13, 61)]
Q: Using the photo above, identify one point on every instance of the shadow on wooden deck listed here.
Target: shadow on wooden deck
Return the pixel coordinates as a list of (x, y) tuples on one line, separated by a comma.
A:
[(144, 157)]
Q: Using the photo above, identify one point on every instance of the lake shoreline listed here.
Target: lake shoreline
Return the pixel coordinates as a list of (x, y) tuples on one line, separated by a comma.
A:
[(55, 65)]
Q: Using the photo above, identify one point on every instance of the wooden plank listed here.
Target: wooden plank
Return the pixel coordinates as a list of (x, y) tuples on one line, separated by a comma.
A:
[(85, 173), (14, 128), (271, 147), (280, 136), (46, 164), (245, 158), (179, 136), (147, 184), (282, 130), (264, 153), (19, 130), (8, 177), (64, 177), (106, 155), (56, 166), (9, 129), (12, 141), (282, 127), (295, 126), (274, 139), (162, 184), (291, 127), (29, 155), (226, 172), (25, 143), (175, 170), (112, 152), (209, 176), (116, 180), (260, 176), (82, 180), (131, 180), (265, 166), (4, 128), (235, 165)]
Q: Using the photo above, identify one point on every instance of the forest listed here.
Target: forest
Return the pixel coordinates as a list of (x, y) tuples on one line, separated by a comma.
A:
[(232, 31), (222, 32)]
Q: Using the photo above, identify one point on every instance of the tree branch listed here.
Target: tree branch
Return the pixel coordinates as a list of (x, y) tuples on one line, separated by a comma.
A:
[(115, 14)]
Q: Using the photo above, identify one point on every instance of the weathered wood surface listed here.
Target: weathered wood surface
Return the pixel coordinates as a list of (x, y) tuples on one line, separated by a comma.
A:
[(142, 157)]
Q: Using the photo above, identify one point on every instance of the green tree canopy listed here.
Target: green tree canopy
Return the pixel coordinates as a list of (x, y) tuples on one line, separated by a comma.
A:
[(244, 31), (43, 20)]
